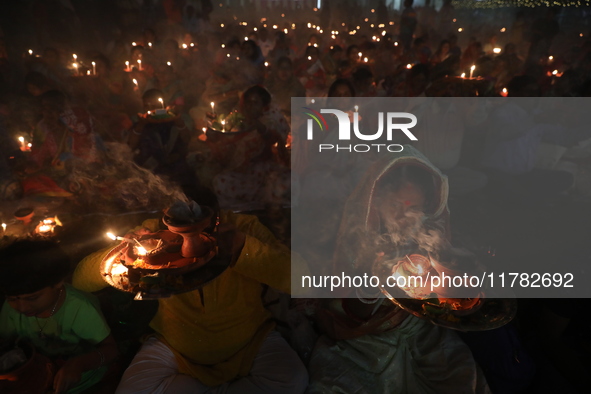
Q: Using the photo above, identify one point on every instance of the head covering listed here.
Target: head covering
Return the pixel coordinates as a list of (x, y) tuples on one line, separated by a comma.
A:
[(361, 236)]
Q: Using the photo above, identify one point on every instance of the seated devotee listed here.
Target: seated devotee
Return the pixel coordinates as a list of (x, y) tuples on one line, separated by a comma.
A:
[(64, 325), (347, 65), (311, 72), (415, 83), (142, 61), (219, 338), (283, 47), (171, 52), (230, 77), (37, 83), (111, 99), (513, 137), (370, 344), (170, 85), (65, 137), (11, 158), (251, 52), (442, 53), (331, 61), (283, 85), (51, 66), (159, 141), (265, 41), (442, 130), (341, 88), (256, 171), (364, 82)]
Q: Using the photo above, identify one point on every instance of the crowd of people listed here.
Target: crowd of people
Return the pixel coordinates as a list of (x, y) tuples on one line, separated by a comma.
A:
[(195, 97)]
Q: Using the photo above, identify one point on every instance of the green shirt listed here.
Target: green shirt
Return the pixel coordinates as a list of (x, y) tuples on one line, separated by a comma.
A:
[(76, 328)]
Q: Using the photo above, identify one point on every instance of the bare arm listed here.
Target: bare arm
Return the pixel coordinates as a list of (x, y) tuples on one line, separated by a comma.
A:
[(71, 372)]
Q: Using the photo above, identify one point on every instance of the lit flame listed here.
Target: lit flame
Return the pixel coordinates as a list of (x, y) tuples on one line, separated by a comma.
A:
[(118, 269), (3, 226), (112, 236), (409, 66), (497, 50), (45, 228), (168, 63), (141, 251)]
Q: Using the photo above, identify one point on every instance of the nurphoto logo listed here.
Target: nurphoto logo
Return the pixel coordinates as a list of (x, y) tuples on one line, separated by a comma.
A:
[(390, 119)]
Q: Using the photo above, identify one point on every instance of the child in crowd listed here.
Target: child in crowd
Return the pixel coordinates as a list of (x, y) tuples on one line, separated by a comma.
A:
[(60, 322)]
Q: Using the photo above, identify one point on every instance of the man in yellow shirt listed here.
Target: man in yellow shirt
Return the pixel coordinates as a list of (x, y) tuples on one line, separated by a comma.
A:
[(220, 338)]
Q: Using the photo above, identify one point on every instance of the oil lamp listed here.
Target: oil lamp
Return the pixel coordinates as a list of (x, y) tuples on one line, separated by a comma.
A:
[(46, 227)]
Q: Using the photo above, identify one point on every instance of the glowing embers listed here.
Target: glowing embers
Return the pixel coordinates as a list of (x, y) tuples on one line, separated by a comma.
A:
[(46, 227), (412, 275)]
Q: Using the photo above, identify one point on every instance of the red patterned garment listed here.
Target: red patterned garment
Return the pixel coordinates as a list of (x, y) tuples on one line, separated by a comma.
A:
[(72, 137)]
